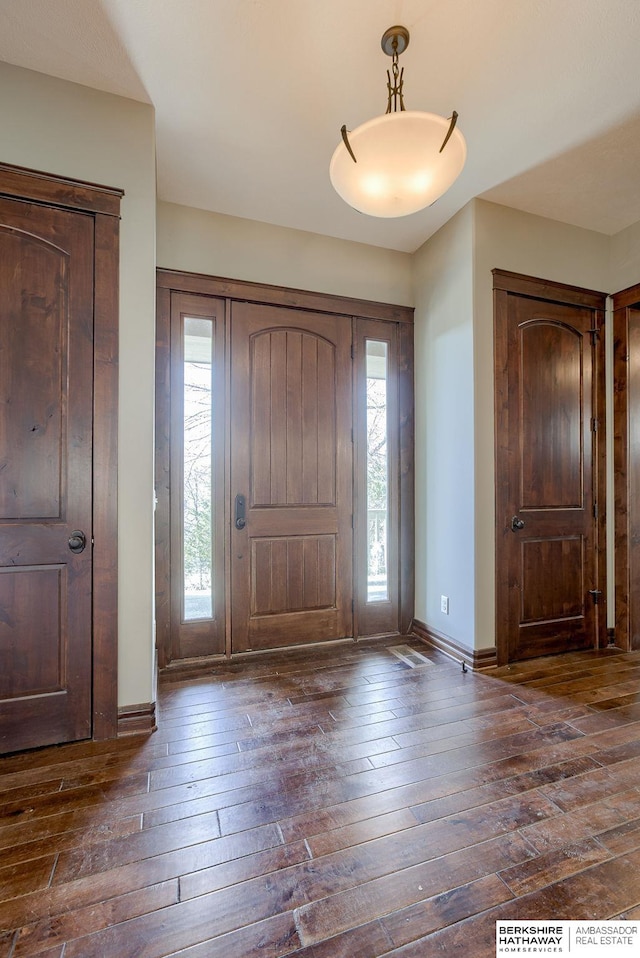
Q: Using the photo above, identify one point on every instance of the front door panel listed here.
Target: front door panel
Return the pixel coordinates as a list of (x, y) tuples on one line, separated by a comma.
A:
[(291, 462)]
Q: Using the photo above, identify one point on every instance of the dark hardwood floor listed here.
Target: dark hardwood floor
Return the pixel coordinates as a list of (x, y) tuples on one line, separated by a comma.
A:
[(332, 803)]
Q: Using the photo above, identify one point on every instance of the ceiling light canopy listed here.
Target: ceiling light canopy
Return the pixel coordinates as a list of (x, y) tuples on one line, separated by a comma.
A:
[(400, 162)]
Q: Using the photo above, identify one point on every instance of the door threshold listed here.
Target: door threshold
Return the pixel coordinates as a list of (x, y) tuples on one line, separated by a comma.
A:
[(199, 663)]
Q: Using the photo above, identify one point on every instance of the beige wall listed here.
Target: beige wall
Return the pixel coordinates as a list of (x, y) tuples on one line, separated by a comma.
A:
[(624, 259), (226, 246), (443, 289), (59, 127)]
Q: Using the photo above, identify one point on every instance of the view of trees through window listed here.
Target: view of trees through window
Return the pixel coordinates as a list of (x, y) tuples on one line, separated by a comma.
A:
[(197, 466), (377, 471)]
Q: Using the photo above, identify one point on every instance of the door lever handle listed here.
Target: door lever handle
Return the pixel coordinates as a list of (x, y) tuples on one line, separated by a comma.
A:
[(239, 515)]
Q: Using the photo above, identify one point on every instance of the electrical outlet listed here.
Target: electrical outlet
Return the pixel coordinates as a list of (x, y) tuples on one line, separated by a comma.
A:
[(444, 604)]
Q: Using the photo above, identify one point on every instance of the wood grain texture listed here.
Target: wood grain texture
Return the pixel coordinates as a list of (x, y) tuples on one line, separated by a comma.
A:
[(98, 209), (59, 191), (182, 637), (105, 476), (46, 437), (476, 658), (291, 457), (134, 719), (549, 448), (406, 484), (282, 296), (547, 289), (294, 416), (626, 343), (163, 477), (331, 803)]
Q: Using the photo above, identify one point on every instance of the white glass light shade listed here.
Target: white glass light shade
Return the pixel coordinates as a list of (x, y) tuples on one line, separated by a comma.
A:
[(399, 168)]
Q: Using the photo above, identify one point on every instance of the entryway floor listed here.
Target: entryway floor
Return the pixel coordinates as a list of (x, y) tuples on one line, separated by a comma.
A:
[(333, 802)]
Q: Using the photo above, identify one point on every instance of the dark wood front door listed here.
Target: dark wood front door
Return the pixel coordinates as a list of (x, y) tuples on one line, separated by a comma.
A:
[(548, 425), (46, 396), (291, 477)]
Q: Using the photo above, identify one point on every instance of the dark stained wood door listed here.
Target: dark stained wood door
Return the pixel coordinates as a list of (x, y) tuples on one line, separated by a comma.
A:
[(547, 429), (291, 461), (46, 397), (626, 459)]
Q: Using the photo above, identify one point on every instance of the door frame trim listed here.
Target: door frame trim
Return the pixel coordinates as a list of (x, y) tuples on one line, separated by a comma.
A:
[(504, 283), (185, 282), (103, 203), (627, 552), (169, 281)]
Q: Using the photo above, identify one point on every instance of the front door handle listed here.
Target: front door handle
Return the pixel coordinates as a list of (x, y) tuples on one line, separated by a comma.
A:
[(239, 519), (517, 523)]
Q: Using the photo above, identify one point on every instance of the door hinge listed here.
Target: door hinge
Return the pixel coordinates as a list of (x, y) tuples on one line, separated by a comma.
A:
[(594, 424), (595, 510), (595, 334)]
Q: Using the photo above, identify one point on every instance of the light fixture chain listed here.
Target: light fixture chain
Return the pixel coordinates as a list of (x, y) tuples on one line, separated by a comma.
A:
[(395, 98)]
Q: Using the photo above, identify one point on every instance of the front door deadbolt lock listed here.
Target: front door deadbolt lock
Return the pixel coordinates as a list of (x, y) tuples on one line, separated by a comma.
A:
[(239, 516)]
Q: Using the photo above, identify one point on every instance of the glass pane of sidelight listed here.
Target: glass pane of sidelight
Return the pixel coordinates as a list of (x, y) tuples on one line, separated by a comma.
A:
[(377, 471), (197, 527)]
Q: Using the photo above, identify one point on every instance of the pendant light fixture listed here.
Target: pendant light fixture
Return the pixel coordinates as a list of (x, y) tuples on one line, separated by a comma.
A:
[(400, 162)]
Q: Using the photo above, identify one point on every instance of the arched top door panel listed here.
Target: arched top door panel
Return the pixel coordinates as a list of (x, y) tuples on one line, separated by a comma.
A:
[(293, 418), (551, 414)]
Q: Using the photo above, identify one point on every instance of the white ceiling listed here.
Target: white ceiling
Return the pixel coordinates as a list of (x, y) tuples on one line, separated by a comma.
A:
[(250, 96)]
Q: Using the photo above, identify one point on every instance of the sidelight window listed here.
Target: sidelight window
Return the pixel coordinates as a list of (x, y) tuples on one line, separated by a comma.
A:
[(198, 498), (377, 471)]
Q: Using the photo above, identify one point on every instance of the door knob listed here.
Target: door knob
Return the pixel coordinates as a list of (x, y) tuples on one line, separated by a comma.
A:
[(517, 523), (77, 541)]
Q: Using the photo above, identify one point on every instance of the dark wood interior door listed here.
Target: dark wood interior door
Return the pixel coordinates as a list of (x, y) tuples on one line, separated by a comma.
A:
[(291, 477), (626, 459), (629, 594), (546, 473), (46, 396)]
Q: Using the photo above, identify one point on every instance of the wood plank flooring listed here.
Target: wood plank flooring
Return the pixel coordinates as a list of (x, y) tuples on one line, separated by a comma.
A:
[(332, 803)]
